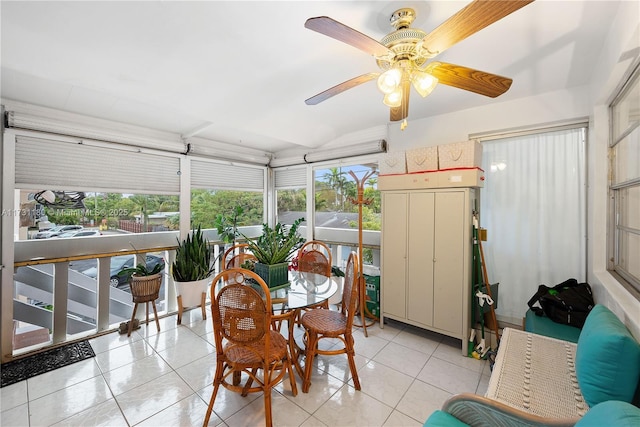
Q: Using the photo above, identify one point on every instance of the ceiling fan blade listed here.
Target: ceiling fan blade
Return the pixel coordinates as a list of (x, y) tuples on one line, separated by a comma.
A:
[(322, 96), (402, 112), (332, 28), (477, 81), (469, 20)]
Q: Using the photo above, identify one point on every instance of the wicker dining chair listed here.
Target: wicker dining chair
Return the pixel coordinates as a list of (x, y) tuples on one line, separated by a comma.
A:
[(320, 323), (244, 340), (314, 257)]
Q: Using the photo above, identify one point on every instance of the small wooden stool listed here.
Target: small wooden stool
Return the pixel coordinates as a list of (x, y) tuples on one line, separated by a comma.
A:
[(145, 289)]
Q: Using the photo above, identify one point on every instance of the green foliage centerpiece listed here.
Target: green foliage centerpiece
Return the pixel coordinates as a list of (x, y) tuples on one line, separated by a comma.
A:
[(273, 249)]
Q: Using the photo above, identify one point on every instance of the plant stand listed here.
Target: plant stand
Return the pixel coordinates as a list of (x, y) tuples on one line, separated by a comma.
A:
[(145, 289), (192, 294), (362, 289)]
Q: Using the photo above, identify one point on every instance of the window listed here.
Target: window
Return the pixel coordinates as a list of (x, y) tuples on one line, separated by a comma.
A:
[(624, 186), (335, 193), (291, 194), (206, 205)]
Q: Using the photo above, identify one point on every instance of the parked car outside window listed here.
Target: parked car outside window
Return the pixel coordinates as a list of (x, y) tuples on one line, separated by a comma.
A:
[(119, 263), (57, 230), (79, 233)]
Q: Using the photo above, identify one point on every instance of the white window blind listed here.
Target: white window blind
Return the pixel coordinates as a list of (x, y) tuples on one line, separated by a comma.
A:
[(212, 175), (55, 164), (290, 178)]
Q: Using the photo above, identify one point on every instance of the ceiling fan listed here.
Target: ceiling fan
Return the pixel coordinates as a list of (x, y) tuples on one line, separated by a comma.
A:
[(404, 55)]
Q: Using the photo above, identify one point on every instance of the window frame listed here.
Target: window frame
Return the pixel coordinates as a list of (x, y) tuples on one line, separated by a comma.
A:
[(616, 189)]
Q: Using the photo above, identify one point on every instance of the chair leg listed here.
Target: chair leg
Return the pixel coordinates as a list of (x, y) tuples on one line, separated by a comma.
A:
[(202, 305), (352, 361), (133, 316), (155, 313), (146, 308), (312, 343), (267, 402), (216, 384), (292, 378)]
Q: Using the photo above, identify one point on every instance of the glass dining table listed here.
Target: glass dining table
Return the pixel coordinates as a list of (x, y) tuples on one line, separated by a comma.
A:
[(304, 290)]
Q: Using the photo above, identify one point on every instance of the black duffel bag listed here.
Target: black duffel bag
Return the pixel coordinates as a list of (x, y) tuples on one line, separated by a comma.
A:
[(568, 303)]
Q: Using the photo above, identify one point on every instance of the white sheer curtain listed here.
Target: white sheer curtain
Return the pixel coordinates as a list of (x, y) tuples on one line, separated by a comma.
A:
[(534, 209)]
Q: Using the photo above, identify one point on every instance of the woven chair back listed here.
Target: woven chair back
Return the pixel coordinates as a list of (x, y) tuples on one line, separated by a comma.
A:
[(237, 261), (239, 309), (350, 289), (315, 257)]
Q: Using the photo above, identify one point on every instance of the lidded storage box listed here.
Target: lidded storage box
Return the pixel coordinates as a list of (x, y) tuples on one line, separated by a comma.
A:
[(466, 154), (423, 159), (393, 163)]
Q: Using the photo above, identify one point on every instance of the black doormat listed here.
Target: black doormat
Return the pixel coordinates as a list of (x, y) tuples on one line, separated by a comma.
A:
[(30, 366)]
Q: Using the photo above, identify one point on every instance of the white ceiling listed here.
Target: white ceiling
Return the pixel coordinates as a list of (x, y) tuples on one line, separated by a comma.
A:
[(239, 71)]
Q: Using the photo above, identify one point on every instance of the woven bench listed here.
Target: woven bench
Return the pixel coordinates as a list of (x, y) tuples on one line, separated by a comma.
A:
[(539, 380)]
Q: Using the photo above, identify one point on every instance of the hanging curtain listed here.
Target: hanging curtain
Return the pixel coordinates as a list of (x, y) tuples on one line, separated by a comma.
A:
[(533, 206)]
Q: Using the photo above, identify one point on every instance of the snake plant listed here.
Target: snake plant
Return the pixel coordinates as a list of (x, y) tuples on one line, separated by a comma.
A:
[(193, 258)]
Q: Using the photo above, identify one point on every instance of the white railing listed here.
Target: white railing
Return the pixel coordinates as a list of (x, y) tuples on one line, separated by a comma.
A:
[(51, 295)]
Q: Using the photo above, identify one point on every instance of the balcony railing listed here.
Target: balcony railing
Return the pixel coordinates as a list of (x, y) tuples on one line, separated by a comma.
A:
[(57, 300)]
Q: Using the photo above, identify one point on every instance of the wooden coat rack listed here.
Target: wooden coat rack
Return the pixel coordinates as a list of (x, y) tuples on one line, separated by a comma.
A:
[(362, 289)]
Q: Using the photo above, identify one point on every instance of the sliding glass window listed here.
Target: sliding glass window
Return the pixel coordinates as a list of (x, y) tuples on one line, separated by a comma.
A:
[(624, 187)]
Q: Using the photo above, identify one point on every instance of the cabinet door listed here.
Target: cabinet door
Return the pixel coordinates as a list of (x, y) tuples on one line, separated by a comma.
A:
[(394, 253), (449, 262), (420, 264)]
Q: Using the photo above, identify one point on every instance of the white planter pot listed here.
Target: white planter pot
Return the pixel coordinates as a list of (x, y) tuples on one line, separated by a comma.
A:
[(190, 294)]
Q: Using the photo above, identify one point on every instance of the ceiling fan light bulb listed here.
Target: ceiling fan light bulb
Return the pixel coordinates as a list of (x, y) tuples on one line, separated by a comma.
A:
[(393, 99), (389, 80), (423, 82)]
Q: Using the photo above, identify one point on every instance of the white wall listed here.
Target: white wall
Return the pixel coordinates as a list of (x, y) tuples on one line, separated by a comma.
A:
[(622, 50)]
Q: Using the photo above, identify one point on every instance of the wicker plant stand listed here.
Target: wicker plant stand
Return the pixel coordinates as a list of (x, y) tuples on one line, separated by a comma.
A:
[(145, 289)]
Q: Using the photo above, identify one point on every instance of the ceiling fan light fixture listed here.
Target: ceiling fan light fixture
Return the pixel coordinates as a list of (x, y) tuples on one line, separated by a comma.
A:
[(393, 99), (423, 82), (389, 81)]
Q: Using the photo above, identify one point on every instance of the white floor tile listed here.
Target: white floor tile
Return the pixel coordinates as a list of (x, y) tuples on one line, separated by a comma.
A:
[(148, 399), (398, 419), (61, 378), (13, 395), (449, 376), (62, 404), (350, 407), (105, 414), (383, 383), (421, 400), (190, 411), (124, 355), (18, 416), (134, 374), (401, 358)]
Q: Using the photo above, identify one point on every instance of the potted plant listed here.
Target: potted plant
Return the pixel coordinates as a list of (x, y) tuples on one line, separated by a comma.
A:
[(191, 271), (145, 285), (273, 250), (227, 226)]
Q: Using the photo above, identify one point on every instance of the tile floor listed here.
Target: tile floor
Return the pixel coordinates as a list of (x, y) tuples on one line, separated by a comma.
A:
[(164, 379)]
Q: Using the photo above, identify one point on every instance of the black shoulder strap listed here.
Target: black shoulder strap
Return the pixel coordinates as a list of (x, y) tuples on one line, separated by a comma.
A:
[(542, 289)]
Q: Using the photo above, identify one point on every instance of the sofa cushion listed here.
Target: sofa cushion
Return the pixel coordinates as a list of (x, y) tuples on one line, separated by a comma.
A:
[(443, 419), (611, 413), (607, 359)]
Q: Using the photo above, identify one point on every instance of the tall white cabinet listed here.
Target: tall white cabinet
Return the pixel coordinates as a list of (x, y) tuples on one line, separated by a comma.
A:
[(426, 258)]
